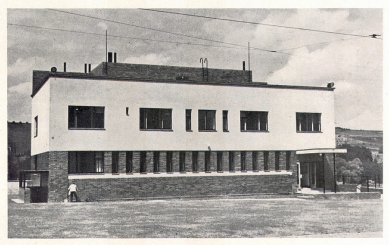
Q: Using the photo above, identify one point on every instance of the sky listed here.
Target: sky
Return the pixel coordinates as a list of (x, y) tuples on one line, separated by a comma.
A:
[(308, 58)]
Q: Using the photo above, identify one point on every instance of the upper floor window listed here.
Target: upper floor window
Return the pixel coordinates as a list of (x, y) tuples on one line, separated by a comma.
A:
[(83, 117), (36, 126), (207, 120), (154, 118), (308, 122), (225, 121), (188, 119), (253, 121)]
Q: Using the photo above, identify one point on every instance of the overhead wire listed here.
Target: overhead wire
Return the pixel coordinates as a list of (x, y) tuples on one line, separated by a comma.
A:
[(258, 23), (154, 29)]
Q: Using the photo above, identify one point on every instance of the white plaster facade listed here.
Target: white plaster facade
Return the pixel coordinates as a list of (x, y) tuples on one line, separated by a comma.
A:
[(122, 133)]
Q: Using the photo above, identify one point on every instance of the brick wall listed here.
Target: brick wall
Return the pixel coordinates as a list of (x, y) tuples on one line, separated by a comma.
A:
[(173, 73), (58, 176), (181, 186)]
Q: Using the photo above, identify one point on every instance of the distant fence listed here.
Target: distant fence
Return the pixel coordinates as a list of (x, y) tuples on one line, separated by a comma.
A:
[(365, 180)]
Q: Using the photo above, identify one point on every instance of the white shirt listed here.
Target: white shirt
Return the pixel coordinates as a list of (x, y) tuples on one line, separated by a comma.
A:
[(72, 187)]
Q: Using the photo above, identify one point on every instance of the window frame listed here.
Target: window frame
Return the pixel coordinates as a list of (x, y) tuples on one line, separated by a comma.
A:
[(36, 126), (156, 115), (225, 120), (188, 120), (308, 122), (98, 162), (73, 122), (205, 118), (260, 118)]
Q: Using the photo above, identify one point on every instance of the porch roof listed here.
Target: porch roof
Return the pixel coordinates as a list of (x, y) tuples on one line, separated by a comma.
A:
[(325, 150)]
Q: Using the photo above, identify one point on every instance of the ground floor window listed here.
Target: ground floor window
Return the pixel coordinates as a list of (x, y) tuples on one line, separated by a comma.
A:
[(207, 161), (277, 160), (182, 161), (86, 162), (156, 161), (266, 160), (143, 167), (243, 161), (169, 162), (129, 162), (195, 155), (287, 160), (115, 162), (255, 162)]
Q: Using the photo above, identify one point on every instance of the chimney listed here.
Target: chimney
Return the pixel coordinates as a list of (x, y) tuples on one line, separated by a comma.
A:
[(244, 65), (90, 66), (110, 57), (64, 67), (114, 57), (85, 68)]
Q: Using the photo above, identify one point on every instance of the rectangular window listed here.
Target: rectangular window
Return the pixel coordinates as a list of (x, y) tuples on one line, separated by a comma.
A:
[(182, 161), (308, 122), (277, 160), (220, 161), (152, 118), (129, 162), (142, 163), (255, 161), (287, 160), (36, 126), (188, 119), (169, 162), (207, 159), (243, 161), (195, 156), (115, 162), (85, 162), (86, 117), (266, 160), (231, 161), (253, 121), (225, 121), (207, 120), (156, 161)]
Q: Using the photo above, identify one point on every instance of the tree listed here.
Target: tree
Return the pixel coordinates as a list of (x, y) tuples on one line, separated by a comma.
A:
[(361, 152)]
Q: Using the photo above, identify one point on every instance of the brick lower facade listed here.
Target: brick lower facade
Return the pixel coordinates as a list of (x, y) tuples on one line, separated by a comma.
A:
[(123, 184)]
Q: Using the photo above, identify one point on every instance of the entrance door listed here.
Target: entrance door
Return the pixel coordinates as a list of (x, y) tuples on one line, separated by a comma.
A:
[(308, 175)]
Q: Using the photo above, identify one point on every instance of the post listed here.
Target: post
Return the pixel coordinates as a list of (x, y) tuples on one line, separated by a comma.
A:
[(334, 174), (324, 175)]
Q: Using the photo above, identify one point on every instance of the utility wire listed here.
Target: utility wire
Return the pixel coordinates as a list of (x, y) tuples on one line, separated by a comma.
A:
[(134, 38), (258, 23), (154, 29)]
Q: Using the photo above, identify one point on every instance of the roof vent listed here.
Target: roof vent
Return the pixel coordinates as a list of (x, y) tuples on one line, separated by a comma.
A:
[(53, 69)]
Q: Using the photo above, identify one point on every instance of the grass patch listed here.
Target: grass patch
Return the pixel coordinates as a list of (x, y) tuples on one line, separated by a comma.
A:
[(194, 218)]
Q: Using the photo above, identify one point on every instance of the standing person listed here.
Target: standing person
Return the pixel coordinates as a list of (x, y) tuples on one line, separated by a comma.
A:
[(73, 191)]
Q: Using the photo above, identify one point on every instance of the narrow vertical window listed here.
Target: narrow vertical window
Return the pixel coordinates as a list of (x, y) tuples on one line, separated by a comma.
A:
[(220, 161), (188, 119), (277, 160), (255, 162), (36, 162), (129, 162), (231, 161), (36, 126), (115, 162), (287, 160), (195, 155), (266, 160), (169, 162), (156, 162), (207, 159), (182, 161), (99, 162), (142, 160), (243, 161), (225, 121)]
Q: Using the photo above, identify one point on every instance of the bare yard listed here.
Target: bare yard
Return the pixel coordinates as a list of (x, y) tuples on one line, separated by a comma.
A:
[(216, 218)]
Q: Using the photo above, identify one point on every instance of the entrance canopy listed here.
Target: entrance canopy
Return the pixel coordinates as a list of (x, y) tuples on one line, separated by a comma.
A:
[(320, 151)]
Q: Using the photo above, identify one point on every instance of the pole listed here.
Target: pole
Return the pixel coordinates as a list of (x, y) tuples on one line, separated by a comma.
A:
[(248, 52), (324, 176), (106, 52), (334, 174)]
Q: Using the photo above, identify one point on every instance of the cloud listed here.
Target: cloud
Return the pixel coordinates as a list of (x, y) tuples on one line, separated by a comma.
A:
[(152, 59), (22, 88), (25, 66), (103, 26)]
